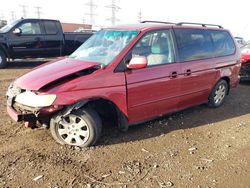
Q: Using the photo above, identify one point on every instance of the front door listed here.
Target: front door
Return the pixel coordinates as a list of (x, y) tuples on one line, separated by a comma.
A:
[(154, 90), (29, 43)]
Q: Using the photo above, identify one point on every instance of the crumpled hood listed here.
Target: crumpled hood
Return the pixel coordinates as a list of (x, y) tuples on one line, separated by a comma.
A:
[(50, 72)]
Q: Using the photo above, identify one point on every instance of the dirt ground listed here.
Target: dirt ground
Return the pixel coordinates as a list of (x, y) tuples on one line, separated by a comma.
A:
[(198, 147)]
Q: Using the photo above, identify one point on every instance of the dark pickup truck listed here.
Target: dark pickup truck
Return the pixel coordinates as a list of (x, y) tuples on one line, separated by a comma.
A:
[(36, 38)]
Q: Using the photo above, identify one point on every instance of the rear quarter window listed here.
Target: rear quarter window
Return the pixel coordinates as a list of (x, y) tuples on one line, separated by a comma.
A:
[(223, 43)]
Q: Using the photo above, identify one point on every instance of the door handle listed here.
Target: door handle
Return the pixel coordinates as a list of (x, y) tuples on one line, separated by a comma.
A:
[(173, 74), (187, 72), (37, 39)]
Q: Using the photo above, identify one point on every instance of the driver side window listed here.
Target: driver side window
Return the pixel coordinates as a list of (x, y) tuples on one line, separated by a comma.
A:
[(156, 46), (30, 28)]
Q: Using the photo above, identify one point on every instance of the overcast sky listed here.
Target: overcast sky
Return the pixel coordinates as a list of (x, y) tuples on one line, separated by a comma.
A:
[(231, 14)]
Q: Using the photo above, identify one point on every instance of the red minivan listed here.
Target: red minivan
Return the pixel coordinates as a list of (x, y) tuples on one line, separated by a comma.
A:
[(131, 74)]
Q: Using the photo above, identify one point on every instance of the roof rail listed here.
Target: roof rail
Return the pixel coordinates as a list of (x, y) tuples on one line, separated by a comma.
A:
[(149, 21), (202, 24)]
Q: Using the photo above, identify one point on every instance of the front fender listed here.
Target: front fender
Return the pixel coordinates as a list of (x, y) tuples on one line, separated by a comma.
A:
[(116, 95)]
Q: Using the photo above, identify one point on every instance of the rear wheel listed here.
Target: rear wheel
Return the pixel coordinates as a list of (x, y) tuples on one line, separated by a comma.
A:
[(218, 94), (79, 128), (3, 61)]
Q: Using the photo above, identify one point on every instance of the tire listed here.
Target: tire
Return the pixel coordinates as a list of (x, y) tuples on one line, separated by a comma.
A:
[(218, 94), (80, 128), (3, 60)]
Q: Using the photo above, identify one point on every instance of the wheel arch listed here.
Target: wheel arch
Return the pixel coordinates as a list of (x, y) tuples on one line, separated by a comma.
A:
[(227, 79), (105, 109), (4, 50)]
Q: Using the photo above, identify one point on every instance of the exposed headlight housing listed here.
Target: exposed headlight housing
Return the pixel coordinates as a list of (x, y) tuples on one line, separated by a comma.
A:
[(13, 90), (31, 99)]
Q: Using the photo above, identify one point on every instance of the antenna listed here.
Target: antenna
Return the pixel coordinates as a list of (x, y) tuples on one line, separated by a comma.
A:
[(91, 13), (114, 8), (38, 11), (24, 12)]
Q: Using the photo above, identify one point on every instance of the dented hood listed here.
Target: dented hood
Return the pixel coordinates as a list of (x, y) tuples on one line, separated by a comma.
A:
[(50, 72)]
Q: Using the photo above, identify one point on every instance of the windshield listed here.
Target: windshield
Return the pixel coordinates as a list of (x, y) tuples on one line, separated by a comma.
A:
[(104, 46), (8, 27)]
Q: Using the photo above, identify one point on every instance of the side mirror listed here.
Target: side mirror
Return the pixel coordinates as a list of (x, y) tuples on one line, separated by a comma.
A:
[(17, 31), (138, 62)]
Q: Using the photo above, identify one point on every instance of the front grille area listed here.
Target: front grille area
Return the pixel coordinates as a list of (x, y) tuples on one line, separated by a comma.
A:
[(245, 69), (24, 109), (245, 72)]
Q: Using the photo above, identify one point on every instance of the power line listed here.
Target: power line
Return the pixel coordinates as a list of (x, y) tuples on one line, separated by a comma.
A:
[(91, 12), (24, 11), (38, 11), (114, 8)]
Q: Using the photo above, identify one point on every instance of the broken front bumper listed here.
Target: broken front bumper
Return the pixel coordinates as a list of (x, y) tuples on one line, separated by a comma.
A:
[(16, 116), (20, 112)]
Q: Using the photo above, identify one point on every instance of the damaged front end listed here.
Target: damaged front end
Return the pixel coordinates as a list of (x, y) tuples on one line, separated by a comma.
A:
[(35, 96), (245, 72), (29, 106)]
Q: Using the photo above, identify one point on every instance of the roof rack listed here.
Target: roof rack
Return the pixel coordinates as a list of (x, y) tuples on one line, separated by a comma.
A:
[(147, 21), (202, 24)]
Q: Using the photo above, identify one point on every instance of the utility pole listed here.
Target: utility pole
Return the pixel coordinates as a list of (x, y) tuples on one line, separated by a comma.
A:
[(139, 16), (91, 12), (24, 11), (2, 15), (114, 8), (83, 20), (12, 14), (38, 11)]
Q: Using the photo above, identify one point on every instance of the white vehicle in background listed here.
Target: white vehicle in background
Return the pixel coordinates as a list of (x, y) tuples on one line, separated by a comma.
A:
[(240, 41)]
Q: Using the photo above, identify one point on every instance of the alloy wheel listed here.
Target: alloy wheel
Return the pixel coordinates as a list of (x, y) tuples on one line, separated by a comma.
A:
[(220, 94), (73, 130)]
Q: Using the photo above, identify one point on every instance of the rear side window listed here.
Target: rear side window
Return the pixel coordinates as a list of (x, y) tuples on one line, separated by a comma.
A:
[(196, 44), (50, 27), (223, 43), (193, 44)]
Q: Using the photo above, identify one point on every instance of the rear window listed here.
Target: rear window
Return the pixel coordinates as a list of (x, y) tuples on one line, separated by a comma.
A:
[(50, 27), (196, 44)]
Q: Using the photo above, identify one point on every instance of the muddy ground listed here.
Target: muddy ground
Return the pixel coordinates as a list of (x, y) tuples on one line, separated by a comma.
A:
[(198, 147)]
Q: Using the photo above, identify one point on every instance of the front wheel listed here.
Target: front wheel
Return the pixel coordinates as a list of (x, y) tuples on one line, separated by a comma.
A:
[(218, 94), (3, 61), (80, 128)]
